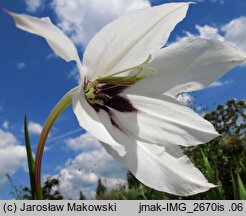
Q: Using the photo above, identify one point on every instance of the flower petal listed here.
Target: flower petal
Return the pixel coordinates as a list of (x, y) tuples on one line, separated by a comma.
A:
[(151, 163), (43, 27), (189, 65), (164, 121), (156, 168), (131, 39), (88, 119)]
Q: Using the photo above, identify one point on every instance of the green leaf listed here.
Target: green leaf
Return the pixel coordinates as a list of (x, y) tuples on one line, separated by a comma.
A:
[(30, 158), (235, 197), (241, 188), (216, 193), (210, 173)]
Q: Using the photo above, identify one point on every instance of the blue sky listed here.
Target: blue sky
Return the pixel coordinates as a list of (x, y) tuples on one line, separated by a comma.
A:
[(33, 79)]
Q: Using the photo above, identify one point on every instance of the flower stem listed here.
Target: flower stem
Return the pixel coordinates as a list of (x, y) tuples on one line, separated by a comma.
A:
[(57, 110)]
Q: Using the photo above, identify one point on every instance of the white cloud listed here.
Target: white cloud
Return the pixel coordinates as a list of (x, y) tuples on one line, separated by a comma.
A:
[(209, 32), (83, 172), (34, 5), (34, 128), (84, 142), (83, 18), (51, 56), (233, 32), (218, 1), (5, 124), (185, 98), (12, 155), (211, 1), (220, 83), (21, 65), (113, 182), (74, 74)]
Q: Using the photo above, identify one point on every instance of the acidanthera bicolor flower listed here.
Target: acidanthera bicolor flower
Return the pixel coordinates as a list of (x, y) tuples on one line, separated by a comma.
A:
[(128, 89)]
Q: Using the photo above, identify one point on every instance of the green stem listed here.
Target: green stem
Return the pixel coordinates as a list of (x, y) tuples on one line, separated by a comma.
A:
[(57, 110)]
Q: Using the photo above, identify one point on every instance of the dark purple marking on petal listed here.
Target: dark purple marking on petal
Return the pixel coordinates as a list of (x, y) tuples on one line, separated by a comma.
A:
[(112, 90), (107, 110), (115, 124), (106, 96), (121, 104), (95, 107)]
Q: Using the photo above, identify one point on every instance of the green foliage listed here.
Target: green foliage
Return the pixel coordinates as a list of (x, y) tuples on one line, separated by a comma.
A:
[(81, 196), (132, 181), (138, 193), (134, 191), (18, 193), (101, 189), (50, 190), (226, 155), (241, 188)]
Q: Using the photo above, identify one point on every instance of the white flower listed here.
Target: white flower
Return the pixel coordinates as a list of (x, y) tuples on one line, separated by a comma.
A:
[(129, 83)]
